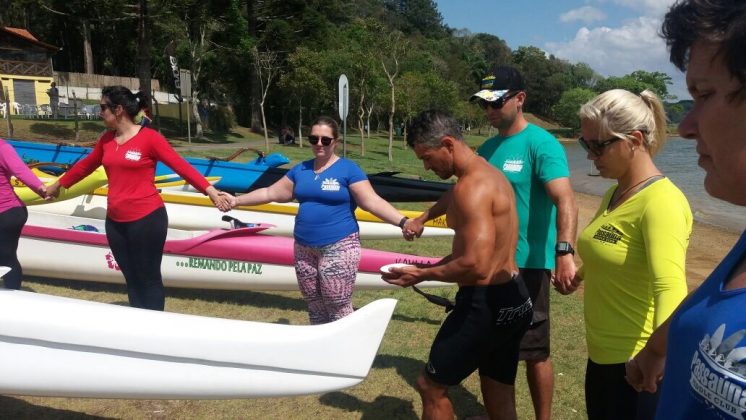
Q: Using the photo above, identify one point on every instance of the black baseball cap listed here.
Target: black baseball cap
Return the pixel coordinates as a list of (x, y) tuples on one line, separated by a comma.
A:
[(498, 82)]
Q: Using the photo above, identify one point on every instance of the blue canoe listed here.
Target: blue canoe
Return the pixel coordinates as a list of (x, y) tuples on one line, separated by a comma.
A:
[(234, 177), (244, 177)]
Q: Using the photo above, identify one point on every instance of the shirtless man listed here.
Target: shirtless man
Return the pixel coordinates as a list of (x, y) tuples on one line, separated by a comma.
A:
[(493, 309)]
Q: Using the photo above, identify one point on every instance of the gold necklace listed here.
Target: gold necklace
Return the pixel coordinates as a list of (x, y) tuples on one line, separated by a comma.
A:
[(613, 202)]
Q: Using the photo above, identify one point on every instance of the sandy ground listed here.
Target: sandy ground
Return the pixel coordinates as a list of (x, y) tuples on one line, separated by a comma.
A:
[(707, 245)]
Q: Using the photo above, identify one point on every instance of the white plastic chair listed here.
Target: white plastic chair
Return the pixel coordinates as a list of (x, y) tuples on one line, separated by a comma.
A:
[(45, 111)]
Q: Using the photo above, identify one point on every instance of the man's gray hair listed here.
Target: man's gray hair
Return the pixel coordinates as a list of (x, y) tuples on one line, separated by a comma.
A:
[(428, 127)]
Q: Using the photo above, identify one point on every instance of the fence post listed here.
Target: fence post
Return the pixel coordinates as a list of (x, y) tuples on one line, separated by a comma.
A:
[(155, 112), (75, 115), (7, 111)]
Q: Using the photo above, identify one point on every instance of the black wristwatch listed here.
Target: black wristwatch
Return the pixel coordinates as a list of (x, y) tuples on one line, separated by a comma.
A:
[(563, 248)]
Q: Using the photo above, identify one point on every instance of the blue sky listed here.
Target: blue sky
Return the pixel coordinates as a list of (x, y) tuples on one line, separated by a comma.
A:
[(615, 37)]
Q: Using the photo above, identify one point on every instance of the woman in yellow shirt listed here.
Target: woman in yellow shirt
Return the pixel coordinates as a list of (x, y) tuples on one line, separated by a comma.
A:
[(634, 249)]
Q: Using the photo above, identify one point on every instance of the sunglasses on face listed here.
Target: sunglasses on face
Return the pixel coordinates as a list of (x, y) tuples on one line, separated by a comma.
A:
[(498, 103), (104, 107), (314, 140), (596, 148)]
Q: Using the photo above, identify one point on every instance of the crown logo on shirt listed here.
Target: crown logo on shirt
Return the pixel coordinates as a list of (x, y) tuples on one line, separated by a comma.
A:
[(330, 184)]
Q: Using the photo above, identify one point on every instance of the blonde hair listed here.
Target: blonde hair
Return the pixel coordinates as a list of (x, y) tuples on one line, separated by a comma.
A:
[(618, 112)]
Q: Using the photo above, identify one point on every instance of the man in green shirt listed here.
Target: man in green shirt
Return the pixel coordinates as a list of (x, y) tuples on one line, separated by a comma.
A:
[(536, 166)]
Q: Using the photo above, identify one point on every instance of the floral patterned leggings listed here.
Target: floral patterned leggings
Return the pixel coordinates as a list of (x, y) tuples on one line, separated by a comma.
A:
[(326, 276)]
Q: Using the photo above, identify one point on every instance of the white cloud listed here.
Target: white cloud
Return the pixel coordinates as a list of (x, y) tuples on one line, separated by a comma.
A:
[(649, 7), (585, 14), (635, 45)]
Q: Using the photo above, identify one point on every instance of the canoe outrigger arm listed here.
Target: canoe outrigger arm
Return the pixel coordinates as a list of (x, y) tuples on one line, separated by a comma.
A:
[(236, 154)]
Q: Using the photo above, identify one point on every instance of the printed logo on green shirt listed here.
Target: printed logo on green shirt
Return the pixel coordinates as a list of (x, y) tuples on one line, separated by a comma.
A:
[(513, 165)]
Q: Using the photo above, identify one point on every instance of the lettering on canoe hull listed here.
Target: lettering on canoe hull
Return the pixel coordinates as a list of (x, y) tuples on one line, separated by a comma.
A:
[(111, 263), (221, 265), (413, 261), (439, 221)]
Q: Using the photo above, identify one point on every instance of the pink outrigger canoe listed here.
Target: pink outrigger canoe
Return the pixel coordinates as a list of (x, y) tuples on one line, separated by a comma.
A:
[(237, 259)]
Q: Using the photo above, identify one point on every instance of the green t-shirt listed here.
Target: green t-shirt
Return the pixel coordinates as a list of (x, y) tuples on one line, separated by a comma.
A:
[(529, 160)]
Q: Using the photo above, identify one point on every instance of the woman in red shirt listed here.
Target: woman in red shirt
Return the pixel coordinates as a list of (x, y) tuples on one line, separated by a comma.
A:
[(136, 219)]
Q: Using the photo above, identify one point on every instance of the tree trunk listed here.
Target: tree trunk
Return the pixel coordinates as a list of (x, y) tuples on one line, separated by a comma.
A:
[(360, 123), (254, 89), (367, 120), (199, 131), (299, 137), (143, 51), (87, 51), (264, 126), (391, 122)]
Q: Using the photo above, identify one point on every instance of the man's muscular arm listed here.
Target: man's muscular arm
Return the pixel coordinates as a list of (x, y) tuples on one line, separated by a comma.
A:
[(417, 225), (561, 193), (474, 241)]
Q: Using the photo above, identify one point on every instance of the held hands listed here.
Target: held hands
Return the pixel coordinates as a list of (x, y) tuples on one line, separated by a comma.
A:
[(43, 192), (51, 191), (566, 288), (222, 200), (645, 370), (231, 200), (565, 278), (412, 228)]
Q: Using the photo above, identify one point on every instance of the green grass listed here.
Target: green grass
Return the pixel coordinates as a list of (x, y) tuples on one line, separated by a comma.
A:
[(90, 130), (388, 391)]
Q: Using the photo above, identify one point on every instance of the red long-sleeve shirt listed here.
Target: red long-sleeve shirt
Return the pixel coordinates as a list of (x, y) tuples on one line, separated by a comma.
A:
[(131, 171)]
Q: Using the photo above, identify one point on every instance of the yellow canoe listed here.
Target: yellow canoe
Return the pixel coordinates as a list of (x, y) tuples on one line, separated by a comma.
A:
[(95, 180), (197, 199)]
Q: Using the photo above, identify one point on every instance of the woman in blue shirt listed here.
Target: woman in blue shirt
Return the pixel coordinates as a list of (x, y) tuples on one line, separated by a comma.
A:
[(327, 239), (700, 352)]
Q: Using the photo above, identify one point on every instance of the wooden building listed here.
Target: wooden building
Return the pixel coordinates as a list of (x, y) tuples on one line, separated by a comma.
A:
[(25, 67)]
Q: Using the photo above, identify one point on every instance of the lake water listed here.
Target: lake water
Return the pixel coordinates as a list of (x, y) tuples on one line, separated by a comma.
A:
[(678, 161)]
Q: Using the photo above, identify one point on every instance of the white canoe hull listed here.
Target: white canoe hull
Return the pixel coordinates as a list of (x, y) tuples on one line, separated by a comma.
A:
[(61, 347)]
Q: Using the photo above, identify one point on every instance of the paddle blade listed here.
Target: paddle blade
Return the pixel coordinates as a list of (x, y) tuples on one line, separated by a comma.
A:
[(235, 223)]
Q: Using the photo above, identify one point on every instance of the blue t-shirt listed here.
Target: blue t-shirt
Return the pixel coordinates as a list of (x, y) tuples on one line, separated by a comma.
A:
[(327, 209), (529, 160), (705, 375)]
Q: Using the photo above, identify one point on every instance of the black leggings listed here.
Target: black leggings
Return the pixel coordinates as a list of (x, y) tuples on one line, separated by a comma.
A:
[(608, 395), (11, 223), (138, 249)]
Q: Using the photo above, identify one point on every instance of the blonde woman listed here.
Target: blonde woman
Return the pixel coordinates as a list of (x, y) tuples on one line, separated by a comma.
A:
[(633, 250)]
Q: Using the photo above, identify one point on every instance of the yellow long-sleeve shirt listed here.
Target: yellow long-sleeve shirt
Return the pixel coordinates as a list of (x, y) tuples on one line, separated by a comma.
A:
[(633, 269)]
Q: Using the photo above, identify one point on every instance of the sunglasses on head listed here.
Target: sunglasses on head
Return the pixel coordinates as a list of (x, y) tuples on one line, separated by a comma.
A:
[(498, 103), (596, 148), (314, 140)]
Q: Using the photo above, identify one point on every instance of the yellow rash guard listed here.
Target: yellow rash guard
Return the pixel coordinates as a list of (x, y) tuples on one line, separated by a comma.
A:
[(633, 269)]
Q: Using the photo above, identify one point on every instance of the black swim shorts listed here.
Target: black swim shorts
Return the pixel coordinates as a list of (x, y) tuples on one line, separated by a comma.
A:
[(483, 332), (535, 343)]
